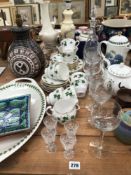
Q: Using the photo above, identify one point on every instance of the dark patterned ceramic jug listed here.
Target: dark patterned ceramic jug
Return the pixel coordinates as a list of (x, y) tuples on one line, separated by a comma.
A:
[(25, 57)]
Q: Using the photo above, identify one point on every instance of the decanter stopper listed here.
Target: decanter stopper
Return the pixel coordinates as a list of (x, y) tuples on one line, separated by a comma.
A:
[(93, 13)]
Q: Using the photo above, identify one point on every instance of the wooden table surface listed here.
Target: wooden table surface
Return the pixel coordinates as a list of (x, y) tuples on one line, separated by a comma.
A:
[(33, 158)]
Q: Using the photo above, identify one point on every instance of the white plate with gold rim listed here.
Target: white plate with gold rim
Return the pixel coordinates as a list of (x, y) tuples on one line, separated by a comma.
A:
[(79, 67), (21, 86), (51, 82)]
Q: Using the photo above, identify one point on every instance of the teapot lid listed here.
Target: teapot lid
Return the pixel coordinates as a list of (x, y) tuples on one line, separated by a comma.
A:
[(119, 39), (120, 70)]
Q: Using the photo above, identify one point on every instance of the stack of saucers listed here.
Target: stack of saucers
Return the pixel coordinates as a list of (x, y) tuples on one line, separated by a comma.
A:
[(56, 75)]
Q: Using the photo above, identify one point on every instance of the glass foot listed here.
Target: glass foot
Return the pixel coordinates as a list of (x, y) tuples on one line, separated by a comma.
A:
[(69, 154), (95, 149), (51, 148)]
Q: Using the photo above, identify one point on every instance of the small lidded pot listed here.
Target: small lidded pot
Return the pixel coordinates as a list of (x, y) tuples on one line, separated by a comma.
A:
[(63, 110), (117, 76)]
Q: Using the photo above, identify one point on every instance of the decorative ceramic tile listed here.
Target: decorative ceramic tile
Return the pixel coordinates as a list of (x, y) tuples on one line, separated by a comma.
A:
[(15, 114)]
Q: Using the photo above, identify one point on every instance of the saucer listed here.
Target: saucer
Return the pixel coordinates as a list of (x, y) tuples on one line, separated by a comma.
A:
[(78, 67), (50, 81), (75, 59), (50, 85)]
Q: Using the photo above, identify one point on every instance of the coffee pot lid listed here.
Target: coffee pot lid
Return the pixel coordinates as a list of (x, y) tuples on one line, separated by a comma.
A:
[(120, 70), (119, 39)]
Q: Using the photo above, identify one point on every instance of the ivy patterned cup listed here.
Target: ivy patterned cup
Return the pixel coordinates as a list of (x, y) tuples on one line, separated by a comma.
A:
[(55, 96), (63, 110), (57, 71), (57, 57), (80, 86), (70, 93), (68, 45), (69, 57), (77, 76)]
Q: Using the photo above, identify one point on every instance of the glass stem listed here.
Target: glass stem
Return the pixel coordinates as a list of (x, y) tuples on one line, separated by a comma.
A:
[(100, 146)]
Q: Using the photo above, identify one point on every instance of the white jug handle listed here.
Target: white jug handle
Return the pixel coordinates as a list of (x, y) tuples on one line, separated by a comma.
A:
[(49, 110), (106, 60), (77, 42), (99, 47)]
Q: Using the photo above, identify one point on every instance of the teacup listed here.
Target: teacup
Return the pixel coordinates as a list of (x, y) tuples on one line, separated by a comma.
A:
[(57, 57), (68, 45), (55, 96), (77, 76), (69, 57), (70, 93), (80, 87), (57, 71), (63, 110)]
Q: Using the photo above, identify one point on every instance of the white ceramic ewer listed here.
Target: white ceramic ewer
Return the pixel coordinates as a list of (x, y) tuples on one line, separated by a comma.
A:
[(48, 33)]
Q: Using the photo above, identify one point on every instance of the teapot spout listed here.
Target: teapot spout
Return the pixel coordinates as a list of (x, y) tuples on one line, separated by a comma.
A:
[(128, 48)]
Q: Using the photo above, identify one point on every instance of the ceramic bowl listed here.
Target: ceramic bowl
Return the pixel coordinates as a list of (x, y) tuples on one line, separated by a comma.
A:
[(63, 110), (113, 26), (123, 132)]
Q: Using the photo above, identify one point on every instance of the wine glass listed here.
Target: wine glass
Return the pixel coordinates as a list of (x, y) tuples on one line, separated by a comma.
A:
[(71, 127), (107, 118), (49, 138), (68, 144)]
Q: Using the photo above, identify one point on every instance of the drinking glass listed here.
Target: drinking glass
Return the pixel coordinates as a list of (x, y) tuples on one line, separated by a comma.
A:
[(68, 144), (99, 94), (94, 74), (71, 127), (106, 118), (50, 123), (49, 138)]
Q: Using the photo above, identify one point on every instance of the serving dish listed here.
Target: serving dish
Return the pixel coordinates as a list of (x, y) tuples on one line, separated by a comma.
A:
[(21, 86)]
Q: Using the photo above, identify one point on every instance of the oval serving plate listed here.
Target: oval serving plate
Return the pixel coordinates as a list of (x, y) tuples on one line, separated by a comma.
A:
[(11, 143)]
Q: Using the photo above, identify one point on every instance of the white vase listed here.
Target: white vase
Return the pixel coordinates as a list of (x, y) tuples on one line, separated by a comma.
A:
[(67, 27), (47, 33)]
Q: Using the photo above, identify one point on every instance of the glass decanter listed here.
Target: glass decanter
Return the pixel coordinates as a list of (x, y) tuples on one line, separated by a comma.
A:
[(91, 47)]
